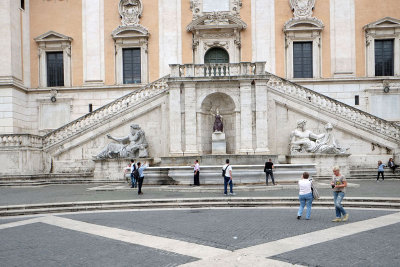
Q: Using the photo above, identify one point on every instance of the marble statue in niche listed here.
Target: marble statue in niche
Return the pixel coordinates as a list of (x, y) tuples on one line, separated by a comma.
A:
[(305, 141), (218, 124), (132, 146)]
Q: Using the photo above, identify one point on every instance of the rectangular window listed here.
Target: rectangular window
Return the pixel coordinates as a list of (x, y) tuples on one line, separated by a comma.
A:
[(55, 69), (23, 4), (384, 59), (356, 100), (302, 60), (131, 65)]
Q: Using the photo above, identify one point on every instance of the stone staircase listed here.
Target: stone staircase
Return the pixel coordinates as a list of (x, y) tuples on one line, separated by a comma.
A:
[(98, 116), (336, 109), (219, 202)]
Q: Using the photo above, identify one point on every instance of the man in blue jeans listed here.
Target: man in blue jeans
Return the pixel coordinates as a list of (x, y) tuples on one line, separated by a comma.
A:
[(228, 178), (339, 185)]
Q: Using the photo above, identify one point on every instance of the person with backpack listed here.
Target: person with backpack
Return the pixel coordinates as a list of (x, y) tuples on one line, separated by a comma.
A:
[(140, 176), (227, 174), (133, 179)]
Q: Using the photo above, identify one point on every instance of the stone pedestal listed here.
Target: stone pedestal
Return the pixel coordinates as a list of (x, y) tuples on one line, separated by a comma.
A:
[(218, 143), (324, 162)]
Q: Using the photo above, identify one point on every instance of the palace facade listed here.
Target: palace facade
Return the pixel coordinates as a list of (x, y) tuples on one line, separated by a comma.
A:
[(69, 66)]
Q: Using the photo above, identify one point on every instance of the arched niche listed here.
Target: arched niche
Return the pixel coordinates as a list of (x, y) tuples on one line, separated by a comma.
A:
[(226, 107)]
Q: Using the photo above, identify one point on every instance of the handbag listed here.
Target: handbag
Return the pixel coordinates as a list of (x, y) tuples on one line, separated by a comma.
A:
[(314, 191)]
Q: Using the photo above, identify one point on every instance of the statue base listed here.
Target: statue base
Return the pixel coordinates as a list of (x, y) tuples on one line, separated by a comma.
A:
[(324, 162), (113, 169), (218, 143)]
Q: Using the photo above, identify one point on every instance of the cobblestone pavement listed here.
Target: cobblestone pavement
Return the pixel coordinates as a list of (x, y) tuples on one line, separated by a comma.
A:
[(197, 237), (202, 237), (98, 192)]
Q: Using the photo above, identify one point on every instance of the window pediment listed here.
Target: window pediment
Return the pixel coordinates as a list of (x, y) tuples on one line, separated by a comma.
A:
[(52, 36), (130, 32), (296, 24), (386, 22)]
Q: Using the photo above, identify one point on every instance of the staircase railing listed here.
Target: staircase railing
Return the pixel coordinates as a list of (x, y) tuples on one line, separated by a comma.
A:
[(340, 109), (123, 103)]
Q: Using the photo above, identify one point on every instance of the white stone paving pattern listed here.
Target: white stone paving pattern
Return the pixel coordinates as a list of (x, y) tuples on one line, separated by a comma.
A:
[(209, 256)]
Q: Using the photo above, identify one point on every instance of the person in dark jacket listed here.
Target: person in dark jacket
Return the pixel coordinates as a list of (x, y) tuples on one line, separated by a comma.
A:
[(268, 171)]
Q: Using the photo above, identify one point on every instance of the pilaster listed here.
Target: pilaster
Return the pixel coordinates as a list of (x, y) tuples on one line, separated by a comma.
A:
[(93, 41), (246, 129), (175, 122), (261, 117), (190, 119)]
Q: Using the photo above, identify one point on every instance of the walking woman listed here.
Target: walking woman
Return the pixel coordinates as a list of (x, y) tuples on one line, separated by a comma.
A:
[(305, 196), (339, 185)]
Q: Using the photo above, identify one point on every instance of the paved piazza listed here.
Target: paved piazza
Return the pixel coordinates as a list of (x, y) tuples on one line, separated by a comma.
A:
[(202, 237)]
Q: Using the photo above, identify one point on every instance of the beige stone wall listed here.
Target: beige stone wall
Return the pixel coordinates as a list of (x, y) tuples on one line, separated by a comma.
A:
[(64, 17), (367, 11)]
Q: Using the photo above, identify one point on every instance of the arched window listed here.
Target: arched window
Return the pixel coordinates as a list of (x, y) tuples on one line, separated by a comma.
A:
[(216, 55)]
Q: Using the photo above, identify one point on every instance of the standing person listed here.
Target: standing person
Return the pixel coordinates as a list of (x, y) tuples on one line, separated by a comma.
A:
[(380, 171), (227, 173), (305, 196), (268, 171), (196, 178), (133, 179), (141, 176), (392, 165), (339, 185)]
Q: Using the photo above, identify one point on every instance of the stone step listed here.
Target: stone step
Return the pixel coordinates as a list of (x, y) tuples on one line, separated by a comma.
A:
[(15, 210)]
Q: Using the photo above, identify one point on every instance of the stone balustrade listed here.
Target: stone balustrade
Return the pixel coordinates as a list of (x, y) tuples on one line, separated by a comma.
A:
[(104, 112), (341, 110), (217, 70), (20, 140)]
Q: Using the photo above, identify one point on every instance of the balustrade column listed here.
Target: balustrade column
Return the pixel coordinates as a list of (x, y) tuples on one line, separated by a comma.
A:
[(261, 117), (246, 118), (175, 121), (190, 119)]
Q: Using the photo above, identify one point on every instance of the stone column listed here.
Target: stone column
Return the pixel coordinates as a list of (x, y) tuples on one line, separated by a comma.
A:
[(246, 118), (175, 120), (190, 119), (261, 117)]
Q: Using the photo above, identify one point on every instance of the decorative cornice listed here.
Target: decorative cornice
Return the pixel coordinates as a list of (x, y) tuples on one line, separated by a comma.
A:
[(216, 20)]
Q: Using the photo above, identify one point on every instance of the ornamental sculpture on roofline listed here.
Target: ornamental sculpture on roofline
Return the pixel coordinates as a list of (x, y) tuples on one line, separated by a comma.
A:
[(130, 11), (302, 8)]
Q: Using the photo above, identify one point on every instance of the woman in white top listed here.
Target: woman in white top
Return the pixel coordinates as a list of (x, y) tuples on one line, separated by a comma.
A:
[(305, 196)]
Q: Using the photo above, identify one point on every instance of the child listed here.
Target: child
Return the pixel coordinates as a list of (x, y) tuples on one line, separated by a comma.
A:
[(380, 170)]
